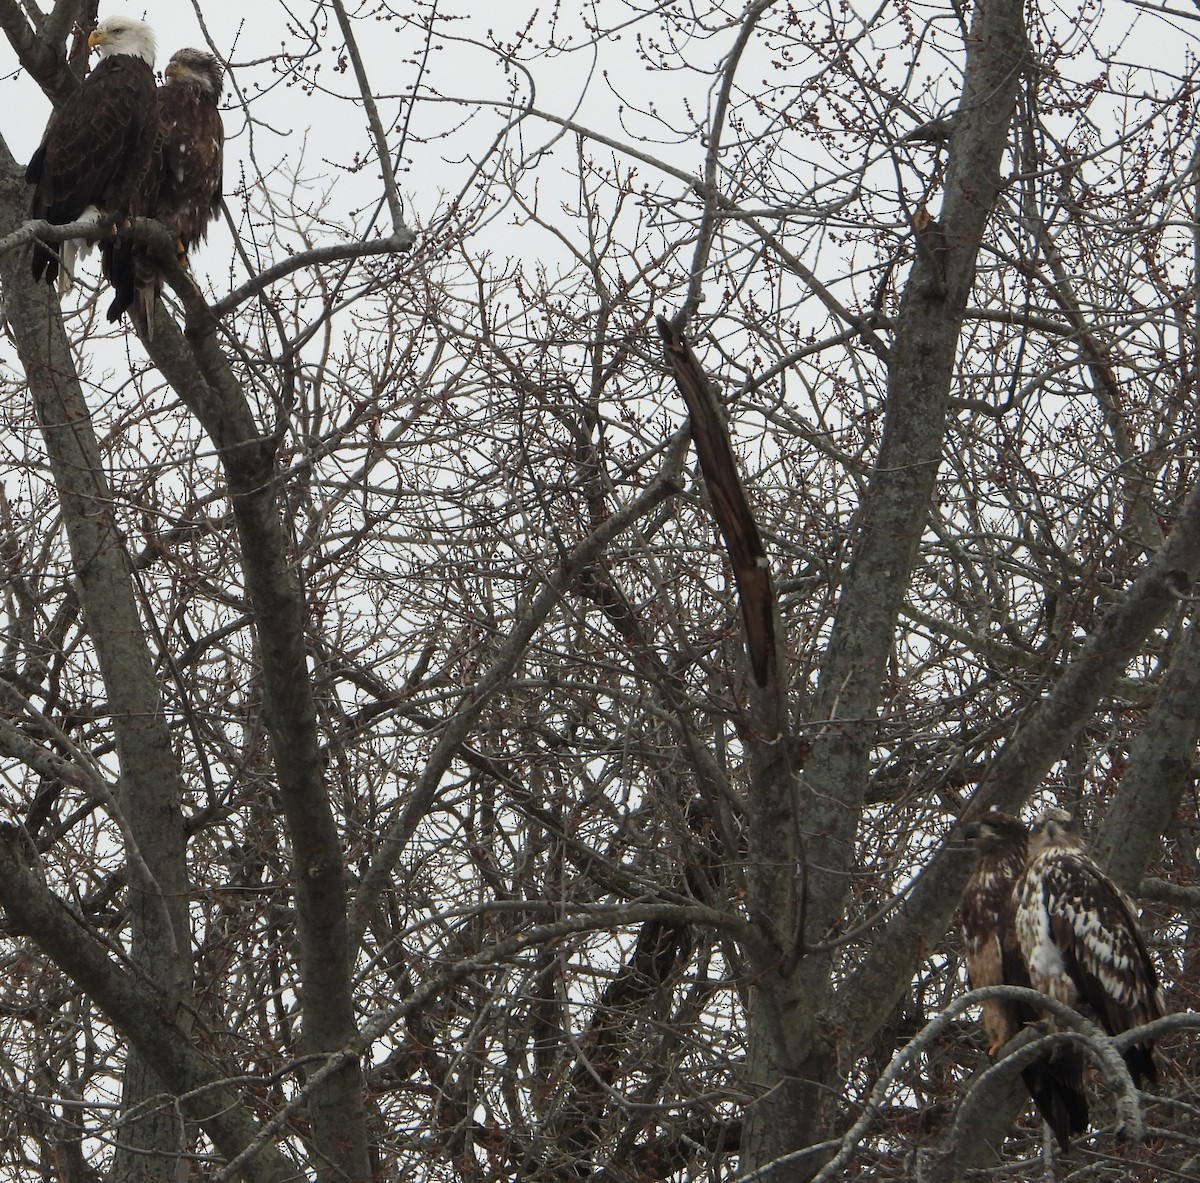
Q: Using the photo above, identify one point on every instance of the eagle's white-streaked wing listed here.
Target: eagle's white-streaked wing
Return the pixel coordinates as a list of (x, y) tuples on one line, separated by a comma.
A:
[(993, 957), (1081, 941)]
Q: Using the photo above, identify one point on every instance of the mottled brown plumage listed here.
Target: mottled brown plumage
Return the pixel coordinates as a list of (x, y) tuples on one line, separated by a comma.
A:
[(183, 185), (993, 958), (1080, 939), (97, 146), (191, 144), (992, 954)]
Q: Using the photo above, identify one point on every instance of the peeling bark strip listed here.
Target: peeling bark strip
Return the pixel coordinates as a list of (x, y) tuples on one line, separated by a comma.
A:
[(751, 572)]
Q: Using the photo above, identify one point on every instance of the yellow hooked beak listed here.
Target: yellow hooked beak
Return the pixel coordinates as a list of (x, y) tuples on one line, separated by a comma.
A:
[(99, 37)]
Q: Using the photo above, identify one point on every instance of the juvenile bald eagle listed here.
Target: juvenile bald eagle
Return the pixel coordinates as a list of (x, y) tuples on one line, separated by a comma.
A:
[(191, 143), (993, 956), (97, 147), (1079, 937), (183, 185)]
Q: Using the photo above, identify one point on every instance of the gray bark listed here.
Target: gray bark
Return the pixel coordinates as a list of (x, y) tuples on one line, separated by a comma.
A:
[(150, 1021), (201, 375), (151, 786), (150, 781), (1162, 763), (792, 1059)]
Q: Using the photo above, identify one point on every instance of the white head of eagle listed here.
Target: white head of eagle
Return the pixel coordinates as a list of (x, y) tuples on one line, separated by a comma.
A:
[(123, 34)]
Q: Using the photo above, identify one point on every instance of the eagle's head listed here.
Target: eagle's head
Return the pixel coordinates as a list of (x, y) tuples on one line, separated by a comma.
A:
[(997, 832), (1057, 828), (197, 67), (123, 34)]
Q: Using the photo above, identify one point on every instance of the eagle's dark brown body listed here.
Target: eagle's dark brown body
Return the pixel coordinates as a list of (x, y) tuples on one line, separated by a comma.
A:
[(190, 146), (993, 956), (182, 187), (96, 150)]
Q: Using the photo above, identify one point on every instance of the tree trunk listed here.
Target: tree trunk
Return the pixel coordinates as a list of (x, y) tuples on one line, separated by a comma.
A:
[(200, 373), (151, 786), (793, 1058)]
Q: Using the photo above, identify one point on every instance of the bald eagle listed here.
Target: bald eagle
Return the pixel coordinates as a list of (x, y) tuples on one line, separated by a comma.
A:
[(1079, 937), (191, 142), (993, 957), (182, 188), (97, 147)]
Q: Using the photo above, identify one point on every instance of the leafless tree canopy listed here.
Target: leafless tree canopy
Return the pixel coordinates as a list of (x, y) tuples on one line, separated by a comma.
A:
[(454, 729)]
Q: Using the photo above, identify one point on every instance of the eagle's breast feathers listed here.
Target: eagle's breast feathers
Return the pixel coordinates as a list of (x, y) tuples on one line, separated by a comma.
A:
[(191, 141), (1080, 938), (1081, 942), (98, 145)]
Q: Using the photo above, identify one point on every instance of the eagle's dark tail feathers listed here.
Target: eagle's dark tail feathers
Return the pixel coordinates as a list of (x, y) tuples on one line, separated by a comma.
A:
[(120, 269), (135, 282), (1139, 1059), (1055, 1082), (44, 262)]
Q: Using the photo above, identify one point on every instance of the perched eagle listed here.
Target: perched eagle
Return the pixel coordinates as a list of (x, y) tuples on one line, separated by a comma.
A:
[(182, 188), (97, 146), (1079, 937), (1054, 1080), (191, 144)]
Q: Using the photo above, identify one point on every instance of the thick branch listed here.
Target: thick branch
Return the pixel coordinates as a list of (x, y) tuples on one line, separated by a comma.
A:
[(151, 784), (790, 1059), (1161, 766), (147, 1019), (200, 373), (40, 52)]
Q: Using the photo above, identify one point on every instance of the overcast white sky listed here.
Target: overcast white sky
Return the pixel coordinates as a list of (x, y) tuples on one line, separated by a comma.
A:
[(317, 132)]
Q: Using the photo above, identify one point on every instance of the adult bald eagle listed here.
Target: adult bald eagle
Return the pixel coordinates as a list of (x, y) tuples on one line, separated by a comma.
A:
[(183, 185), (993, 956), (97, 147), (1079, 937)]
